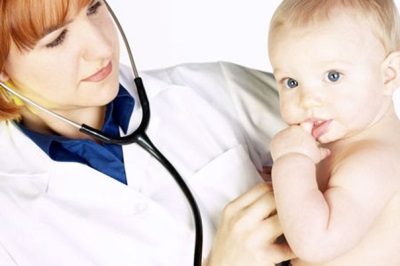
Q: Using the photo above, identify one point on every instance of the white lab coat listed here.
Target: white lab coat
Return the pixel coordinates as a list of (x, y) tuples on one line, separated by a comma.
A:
[(206, 118)]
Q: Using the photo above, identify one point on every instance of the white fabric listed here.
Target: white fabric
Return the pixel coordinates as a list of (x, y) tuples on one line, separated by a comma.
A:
[(206, 118)]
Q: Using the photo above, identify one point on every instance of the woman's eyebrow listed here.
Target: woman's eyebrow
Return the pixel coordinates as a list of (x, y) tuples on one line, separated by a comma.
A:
[(50, 29), (54, 28)]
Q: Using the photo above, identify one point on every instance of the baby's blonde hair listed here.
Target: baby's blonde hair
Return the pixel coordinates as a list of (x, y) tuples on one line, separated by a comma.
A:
[(381, 15)]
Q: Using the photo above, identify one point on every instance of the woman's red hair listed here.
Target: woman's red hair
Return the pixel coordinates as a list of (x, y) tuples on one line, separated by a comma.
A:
[(23, 23)]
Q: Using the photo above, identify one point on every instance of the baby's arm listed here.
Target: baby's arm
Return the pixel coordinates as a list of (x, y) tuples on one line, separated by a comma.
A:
[(321, 226)]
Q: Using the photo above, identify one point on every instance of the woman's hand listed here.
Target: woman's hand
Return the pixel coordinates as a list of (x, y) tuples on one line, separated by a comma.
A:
[(248, 232)]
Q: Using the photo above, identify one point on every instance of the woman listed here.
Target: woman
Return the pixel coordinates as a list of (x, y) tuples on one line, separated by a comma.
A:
[(101, 204)]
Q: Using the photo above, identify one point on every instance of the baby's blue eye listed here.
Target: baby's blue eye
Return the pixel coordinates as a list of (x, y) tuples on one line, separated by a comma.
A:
[(291, 83), (333, 76)]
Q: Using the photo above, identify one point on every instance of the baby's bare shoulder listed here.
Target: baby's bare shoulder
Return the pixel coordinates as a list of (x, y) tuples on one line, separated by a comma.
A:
[(369, 172), (374, 158)]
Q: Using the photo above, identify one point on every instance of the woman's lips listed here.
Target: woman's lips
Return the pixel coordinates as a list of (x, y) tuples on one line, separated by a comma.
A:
[(101, 74)]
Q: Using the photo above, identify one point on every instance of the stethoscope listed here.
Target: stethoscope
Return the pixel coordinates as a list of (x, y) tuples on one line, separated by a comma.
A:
[(139, 136)]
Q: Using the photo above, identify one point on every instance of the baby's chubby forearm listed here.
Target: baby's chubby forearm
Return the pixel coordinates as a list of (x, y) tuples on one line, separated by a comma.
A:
[(302, 208)]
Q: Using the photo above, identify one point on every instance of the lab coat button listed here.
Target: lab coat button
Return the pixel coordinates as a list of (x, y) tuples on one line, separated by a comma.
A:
[(140, 209)]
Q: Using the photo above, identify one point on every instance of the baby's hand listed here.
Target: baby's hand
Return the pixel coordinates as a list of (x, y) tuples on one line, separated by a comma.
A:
[(297, 139)]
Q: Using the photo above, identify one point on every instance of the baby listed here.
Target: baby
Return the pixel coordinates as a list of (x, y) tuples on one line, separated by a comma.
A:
[(336, 172)]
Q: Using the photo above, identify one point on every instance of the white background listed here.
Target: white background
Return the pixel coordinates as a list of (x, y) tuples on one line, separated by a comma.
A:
[(168, 32)]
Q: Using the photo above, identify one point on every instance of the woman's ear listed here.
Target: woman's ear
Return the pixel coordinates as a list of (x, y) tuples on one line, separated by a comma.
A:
[(391, 72), (3, 76)]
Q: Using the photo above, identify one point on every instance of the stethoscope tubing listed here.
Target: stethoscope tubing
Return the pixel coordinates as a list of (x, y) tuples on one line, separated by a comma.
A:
[(139, 137)]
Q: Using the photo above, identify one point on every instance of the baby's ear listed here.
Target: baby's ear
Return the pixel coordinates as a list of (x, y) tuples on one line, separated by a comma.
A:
[(391, 72)]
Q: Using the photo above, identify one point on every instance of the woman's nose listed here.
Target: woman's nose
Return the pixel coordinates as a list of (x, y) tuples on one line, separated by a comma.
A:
[(97, 44)]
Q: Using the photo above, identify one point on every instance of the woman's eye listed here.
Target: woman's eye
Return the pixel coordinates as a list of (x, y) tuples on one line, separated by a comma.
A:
[(94, 8), (58, 41), (291, 83), (333, 76)]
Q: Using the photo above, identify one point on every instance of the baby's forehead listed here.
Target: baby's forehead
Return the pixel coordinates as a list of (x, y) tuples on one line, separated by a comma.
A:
[(340, 28), (344, 18), (323, 46)]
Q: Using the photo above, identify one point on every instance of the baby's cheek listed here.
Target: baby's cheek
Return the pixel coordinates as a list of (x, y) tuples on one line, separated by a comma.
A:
[(288, 113)]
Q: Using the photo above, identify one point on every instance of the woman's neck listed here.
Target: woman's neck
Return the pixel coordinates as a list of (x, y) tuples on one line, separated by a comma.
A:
[(44, 123)]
